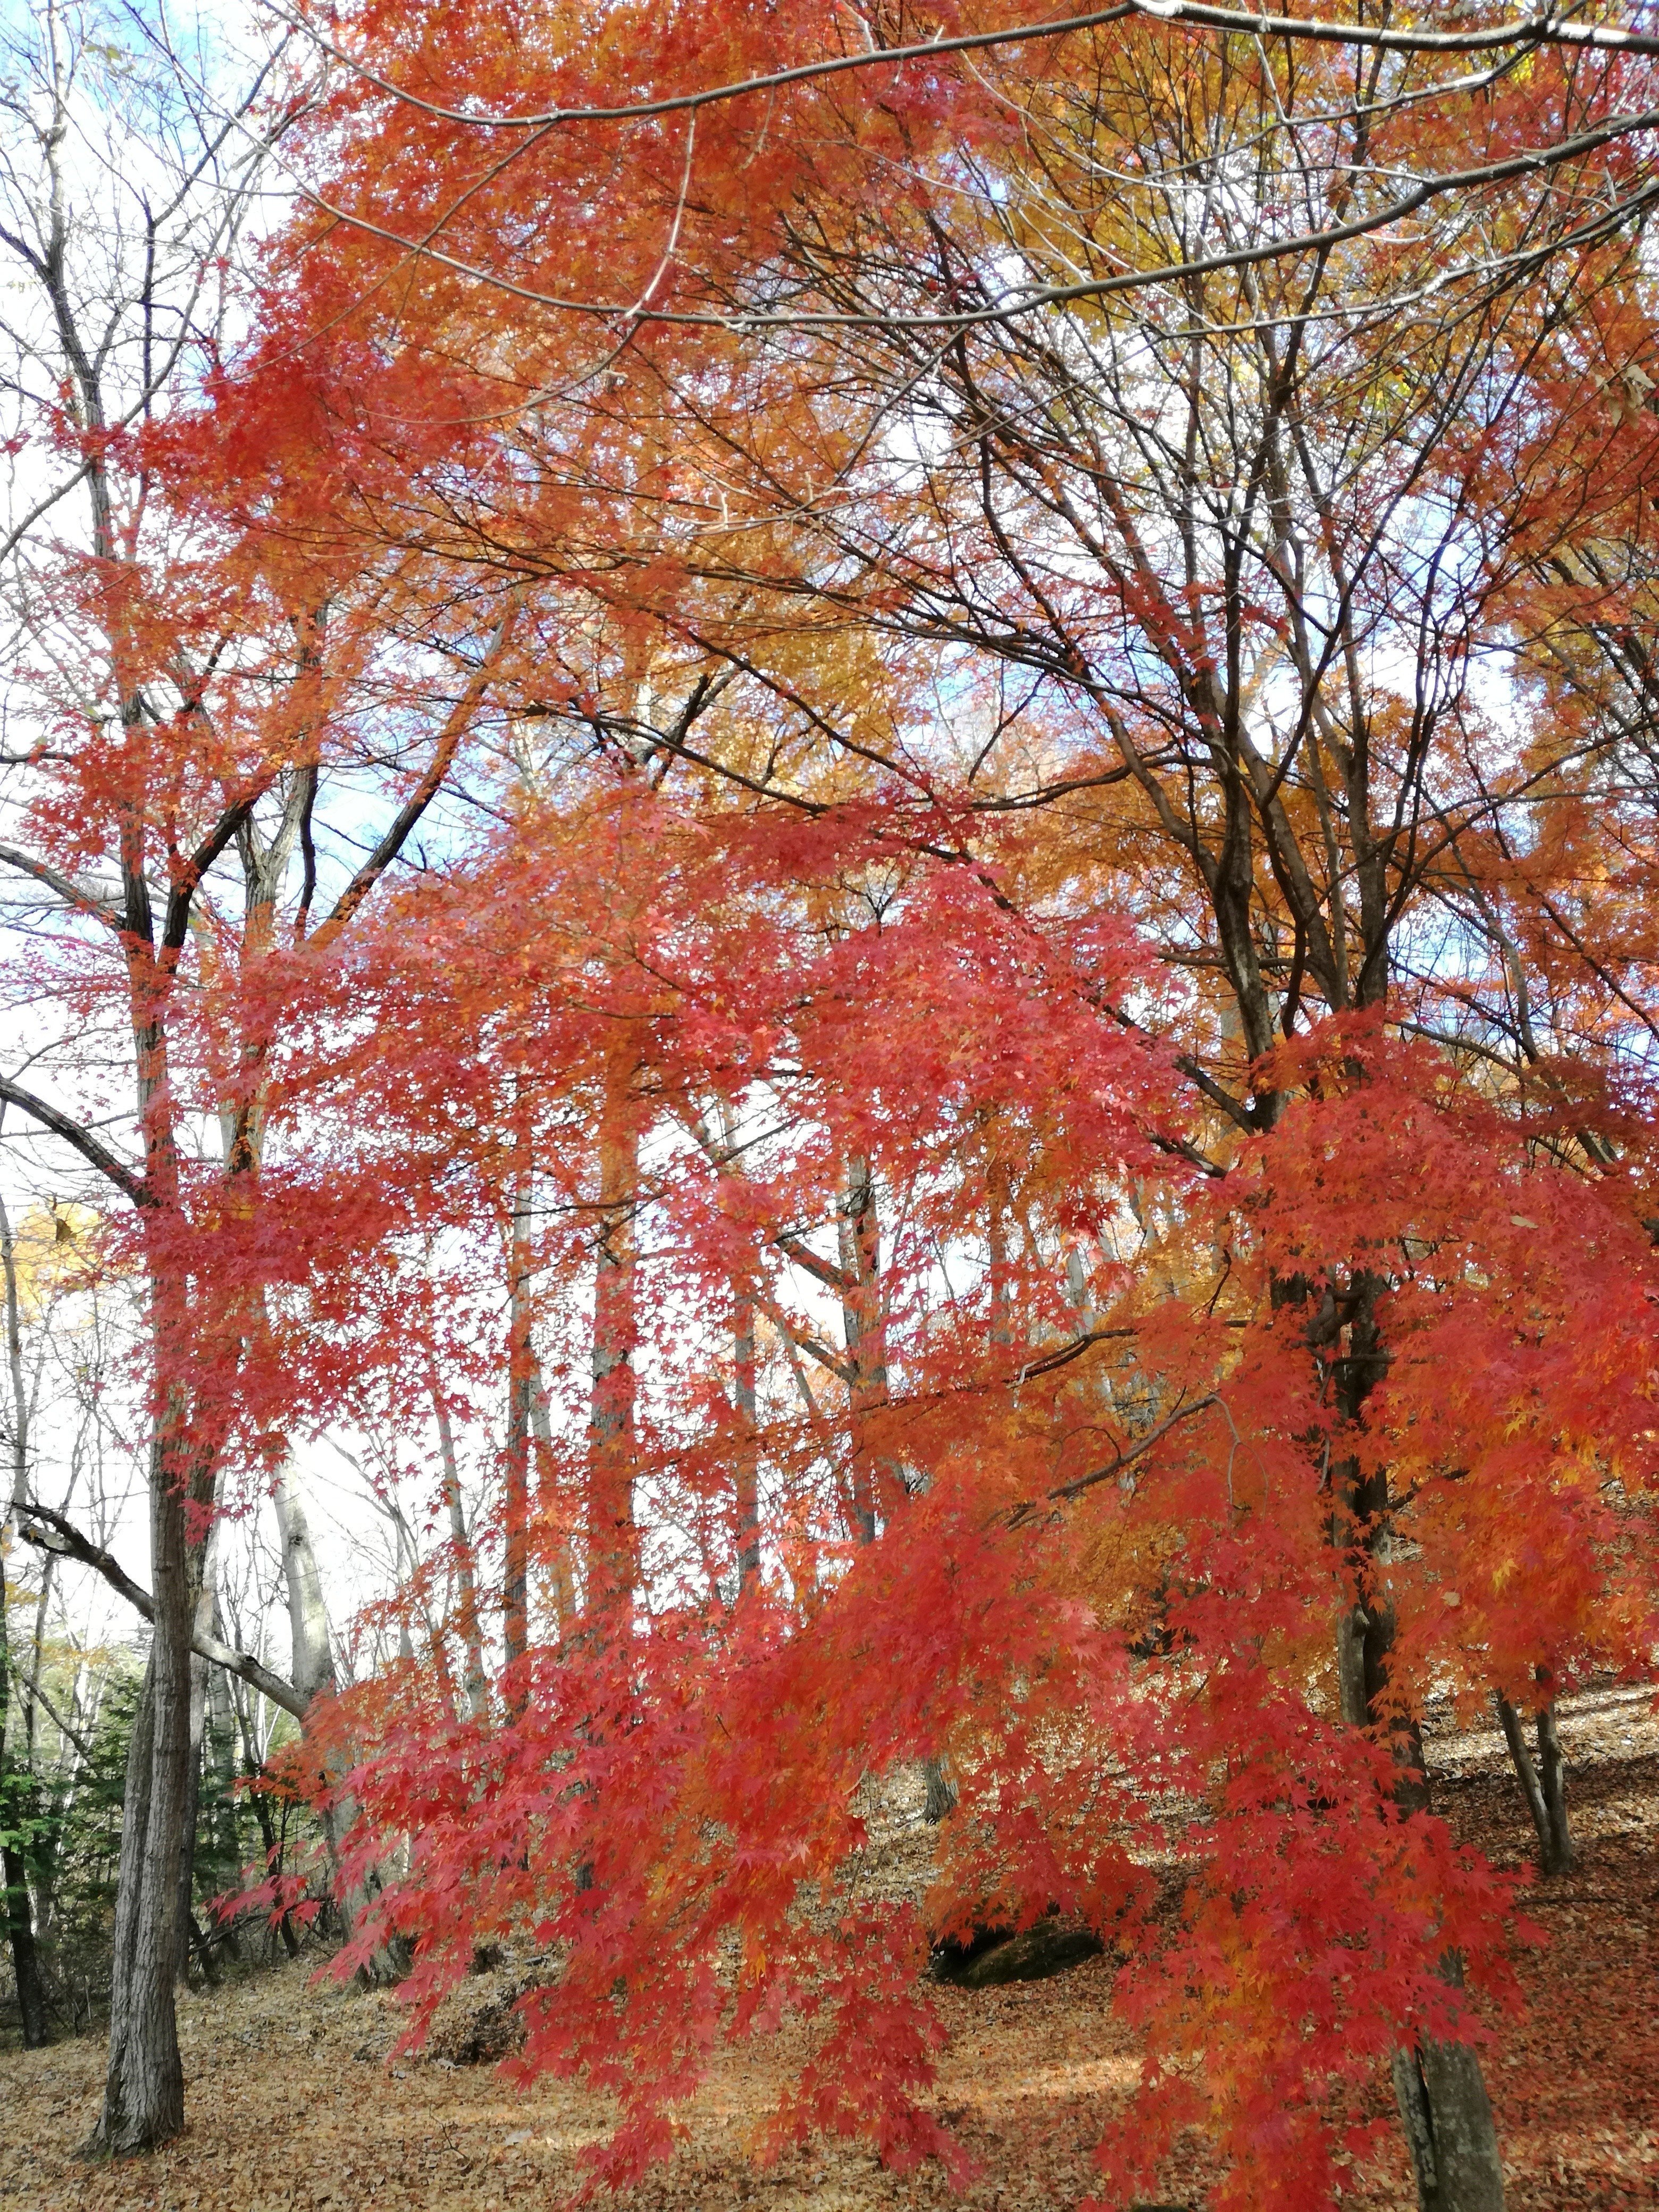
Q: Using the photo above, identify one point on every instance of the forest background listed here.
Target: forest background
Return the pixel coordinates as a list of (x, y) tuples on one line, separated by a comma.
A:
[(839, 823)]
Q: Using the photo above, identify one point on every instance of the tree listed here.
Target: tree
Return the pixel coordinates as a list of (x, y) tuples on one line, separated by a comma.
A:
[(1081, 586), (178, 705)]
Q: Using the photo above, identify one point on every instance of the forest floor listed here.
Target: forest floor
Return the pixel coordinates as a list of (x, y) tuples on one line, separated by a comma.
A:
[(292, 2104)]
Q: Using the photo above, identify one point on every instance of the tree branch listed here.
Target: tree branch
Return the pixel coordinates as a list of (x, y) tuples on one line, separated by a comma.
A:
[(1021, 1514), (131, 1184), (1518, 33), (65, 886), (176, 928), (424, 793), (59, 1535)]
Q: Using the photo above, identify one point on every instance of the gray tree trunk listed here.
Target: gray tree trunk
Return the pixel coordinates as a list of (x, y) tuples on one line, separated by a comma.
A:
[(144, 2085), (1449, 2125), (1543, 1783), (1552, 1774), (478, 1685), (314, 1677), (16, 1780), (1441, 2095), (308, 1614), (202, 1617), (16, 1794)]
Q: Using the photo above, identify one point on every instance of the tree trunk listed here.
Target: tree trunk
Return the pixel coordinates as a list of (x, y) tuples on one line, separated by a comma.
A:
[(16, 1781), (864, 1333), (745, 1451), (1553, 1773), (25, 1956), (1441, 2093), (612, 1536), (515, 1566), (554, 1535), (861, 1331), (220, 1763), (203, 1616), (477, 1687), (16, 1796), (144, 2085), (940, 1796), (313, 1669), (253, 1768), (1543, 1785), (1526, 1775), (192, 1808), (1449, 2124), (314, 1677)]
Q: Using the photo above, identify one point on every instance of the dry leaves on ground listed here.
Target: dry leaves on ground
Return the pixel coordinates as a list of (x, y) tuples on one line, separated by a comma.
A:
[(294, 2109)]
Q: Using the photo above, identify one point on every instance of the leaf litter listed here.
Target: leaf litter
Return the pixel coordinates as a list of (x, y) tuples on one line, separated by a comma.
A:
[(294, 2107)]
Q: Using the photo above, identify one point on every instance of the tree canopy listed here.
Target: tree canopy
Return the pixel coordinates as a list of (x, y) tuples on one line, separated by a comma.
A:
[(878, 786)]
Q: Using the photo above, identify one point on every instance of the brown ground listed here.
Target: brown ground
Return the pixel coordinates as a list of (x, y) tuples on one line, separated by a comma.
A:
[(291, 2106)]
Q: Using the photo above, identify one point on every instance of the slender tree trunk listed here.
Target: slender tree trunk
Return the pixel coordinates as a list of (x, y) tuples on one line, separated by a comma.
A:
[(612, 1535), (198, 1675), (1441, 2094), (554, 1537), (221, 1765), (144, 2085), (746, 1437), (313, 1672), (1552, 1772), (864, 1333), (1526, 1774), (996, 1237), (477, 1688), (268, 1837), (16, 1798), (203, 1616), (16, 1778), (745, 1452), (1542, 1784), (515, 1567), (861, 1332), (314, 1677)]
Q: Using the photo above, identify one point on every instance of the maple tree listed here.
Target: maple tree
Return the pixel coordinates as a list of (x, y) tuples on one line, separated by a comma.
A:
[(987, 543)]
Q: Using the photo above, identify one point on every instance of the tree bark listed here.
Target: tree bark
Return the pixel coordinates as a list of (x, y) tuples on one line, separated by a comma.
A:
[(16, 1782), (612, 1535), (478, 1686), (202, 1627), (1526, 1774), (745, 1452), (1552, 1772), (1441, 2093), (861, 1331), (516, 1566), (1448, 2126), (314, 1677), (1543, 1783), (312, 1671), (16, 1796), (554, 1534), (144, 2085)]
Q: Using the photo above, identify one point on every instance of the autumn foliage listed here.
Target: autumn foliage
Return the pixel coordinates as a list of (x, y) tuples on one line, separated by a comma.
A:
[(1002, 1045)]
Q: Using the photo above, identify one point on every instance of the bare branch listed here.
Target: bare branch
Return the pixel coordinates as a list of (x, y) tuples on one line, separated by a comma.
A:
[(425, 791), (1515, 35), (50, 1531), (83, 901), (125, 1179), (1024, 1514)]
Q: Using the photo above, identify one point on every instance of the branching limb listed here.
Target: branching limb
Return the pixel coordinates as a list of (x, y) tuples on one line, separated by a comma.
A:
[(50, 1531)]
